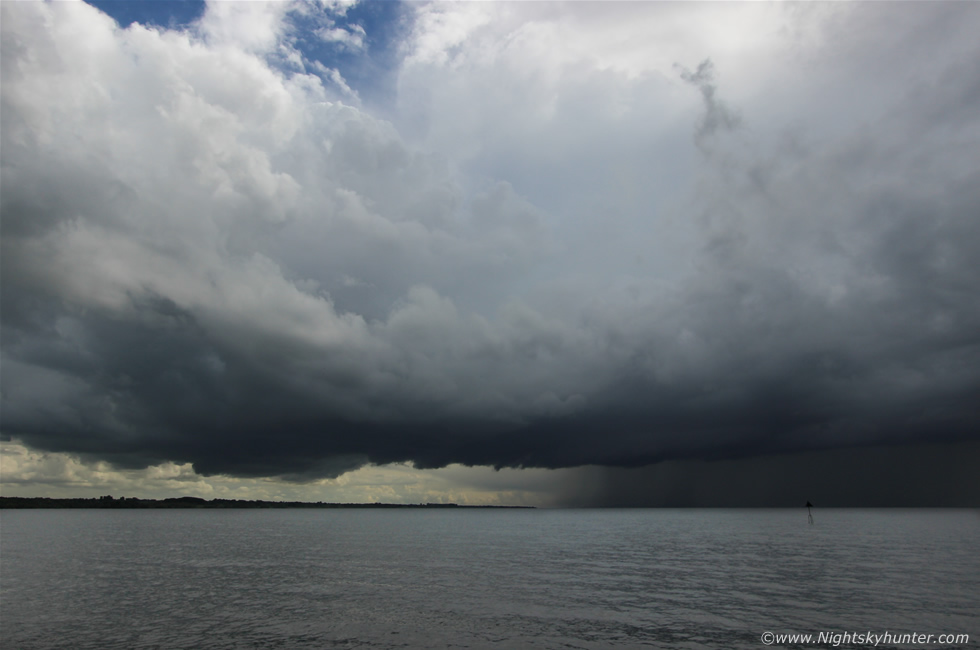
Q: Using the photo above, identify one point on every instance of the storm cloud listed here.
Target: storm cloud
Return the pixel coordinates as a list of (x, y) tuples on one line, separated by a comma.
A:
[(607, 234)]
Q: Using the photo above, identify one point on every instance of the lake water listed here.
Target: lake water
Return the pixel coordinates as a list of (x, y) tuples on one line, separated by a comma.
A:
[(480, 578)]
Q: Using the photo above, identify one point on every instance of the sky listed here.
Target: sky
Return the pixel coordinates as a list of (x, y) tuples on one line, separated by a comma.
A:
[(528, 253)]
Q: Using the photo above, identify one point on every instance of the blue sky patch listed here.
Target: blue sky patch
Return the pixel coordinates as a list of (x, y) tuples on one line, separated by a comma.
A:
[(172, 14), (369, 69)]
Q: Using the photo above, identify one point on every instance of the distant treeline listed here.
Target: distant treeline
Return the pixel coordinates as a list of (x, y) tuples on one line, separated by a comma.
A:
[(194, 502)]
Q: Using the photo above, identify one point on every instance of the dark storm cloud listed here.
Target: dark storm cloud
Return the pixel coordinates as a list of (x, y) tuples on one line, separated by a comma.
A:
[(209, 260)]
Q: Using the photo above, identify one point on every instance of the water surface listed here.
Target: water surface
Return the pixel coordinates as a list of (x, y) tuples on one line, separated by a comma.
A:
[(479, 578)]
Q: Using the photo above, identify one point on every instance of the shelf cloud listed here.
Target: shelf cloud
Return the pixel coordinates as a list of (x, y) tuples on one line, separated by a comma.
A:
[(586, 234)]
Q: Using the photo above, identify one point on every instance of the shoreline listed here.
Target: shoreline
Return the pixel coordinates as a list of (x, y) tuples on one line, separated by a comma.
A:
[(108, 502)]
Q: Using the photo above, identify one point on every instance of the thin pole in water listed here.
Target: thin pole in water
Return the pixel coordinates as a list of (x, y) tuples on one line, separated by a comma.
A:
[(809, 515)]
